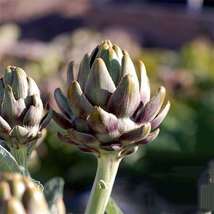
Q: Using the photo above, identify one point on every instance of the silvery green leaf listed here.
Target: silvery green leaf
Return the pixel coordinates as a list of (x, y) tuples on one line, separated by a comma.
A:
[(7, 161), (53, 191), (112, 208)]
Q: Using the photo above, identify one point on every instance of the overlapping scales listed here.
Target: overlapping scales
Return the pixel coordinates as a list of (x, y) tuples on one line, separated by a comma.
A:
[(108, 105)]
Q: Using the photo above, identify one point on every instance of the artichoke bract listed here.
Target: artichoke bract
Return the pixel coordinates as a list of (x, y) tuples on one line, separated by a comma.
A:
[(108, 105), (19, 195), (22, 115)]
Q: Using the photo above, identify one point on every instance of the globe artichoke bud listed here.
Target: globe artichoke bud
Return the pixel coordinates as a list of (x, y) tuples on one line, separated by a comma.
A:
[(108, 105), (22, 113), (19, 195), (108, 111)]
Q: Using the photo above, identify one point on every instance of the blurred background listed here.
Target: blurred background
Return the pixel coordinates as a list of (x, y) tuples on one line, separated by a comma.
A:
[(175, 41)]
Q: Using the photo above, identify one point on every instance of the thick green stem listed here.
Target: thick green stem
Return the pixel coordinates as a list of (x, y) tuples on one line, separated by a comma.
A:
[(21, 156), (106, 172)]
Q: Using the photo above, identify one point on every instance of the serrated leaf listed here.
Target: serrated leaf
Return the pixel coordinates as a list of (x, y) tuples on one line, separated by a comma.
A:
[(7, 161), (53, 191), (112, 208)]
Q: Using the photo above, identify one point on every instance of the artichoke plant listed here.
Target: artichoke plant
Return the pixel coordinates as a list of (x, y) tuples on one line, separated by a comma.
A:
[(108, 111), (19, 195), (22, 115)]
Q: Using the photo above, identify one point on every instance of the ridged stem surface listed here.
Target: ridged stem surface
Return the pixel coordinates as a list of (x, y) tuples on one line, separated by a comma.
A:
[(107, 167)]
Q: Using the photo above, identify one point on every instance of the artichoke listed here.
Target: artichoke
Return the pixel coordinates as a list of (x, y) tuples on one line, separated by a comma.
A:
[(19, 195), (21, 112), (108, 105)]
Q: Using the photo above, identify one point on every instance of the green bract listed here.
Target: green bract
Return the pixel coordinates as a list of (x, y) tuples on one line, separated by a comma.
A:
[(19, 195), (22, 113), (108, 105)]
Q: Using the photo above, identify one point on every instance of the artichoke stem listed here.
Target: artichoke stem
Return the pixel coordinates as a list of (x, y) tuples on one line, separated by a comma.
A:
[(107, 168), (21, 156)]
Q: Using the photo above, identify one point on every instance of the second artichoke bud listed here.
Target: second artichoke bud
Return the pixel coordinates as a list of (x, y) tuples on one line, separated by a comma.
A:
[(22, 115), (19, 195), (108, 105)]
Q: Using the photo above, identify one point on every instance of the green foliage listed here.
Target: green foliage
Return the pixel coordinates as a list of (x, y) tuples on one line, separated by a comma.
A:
[(198, 56), (7, 161)]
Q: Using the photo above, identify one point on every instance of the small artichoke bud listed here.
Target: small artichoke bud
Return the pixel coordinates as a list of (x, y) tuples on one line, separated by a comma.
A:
[(19, 195), (108, 105), (22, 115)]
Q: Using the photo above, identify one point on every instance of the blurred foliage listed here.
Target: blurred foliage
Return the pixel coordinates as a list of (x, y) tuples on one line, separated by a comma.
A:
[(185, 143)]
